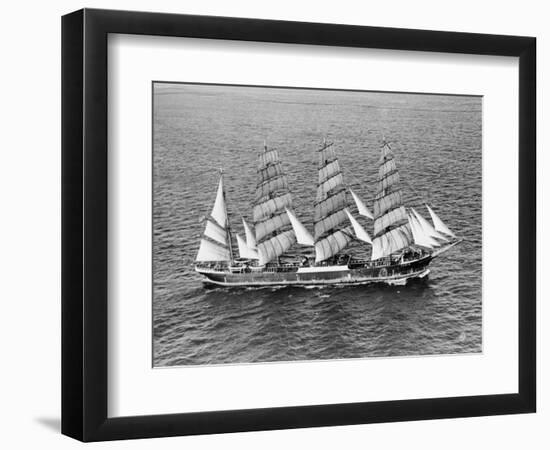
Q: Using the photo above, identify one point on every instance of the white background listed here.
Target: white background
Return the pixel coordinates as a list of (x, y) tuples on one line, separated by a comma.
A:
[(30, 323)]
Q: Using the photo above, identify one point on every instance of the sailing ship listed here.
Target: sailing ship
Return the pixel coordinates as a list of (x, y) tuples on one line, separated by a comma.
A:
[(402, 246)]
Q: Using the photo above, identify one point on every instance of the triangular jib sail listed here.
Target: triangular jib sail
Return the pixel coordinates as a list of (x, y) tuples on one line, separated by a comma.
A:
[(244, 250), (360, 232), (303, 236), (392, 231), (428, 229), (420, 237), (274, 235), (248, 248), (249, 234), (216, 242), (439, 225), (329, 211), (361, 207)]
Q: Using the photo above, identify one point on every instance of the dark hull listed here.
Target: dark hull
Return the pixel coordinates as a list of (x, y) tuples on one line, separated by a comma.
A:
[(352, 274)]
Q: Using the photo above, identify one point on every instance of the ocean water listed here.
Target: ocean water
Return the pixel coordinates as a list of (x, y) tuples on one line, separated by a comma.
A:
[(198, 129)]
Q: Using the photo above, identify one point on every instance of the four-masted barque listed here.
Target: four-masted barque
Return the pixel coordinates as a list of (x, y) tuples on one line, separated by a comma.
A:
[(402, 245)]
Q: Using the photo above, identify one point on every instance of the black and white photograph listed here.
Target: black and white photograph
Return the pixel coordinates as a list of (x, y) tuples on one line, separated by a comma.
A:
[(275, 225), (300, 224)]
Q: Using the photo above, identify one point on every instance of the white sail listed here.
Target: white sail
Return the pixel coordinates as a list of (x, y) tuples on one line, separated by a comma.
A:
[(219, 211), (250, 238), (329, 185), (324, 208), (266, 208), (377, 250), (209, 251), (267, 157), (244, 250), (215, 232), (397, 215), (332, 244), (303, 236), (360, 232), (271, 222), (277, 183), (392, 231), (266, 227), (330, 222), (329, 215), (419, 236), (392, 241), (438, 223), (328, 171), (363, 210), (388, 202), (427, 227), (269, 172), (388, 181), (276, 246), (216, 244), (241, 245)]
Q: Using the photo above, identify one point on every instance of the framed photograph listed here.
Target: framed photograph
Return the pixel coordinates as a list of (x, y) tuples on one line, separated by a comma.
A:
[(273, 224)]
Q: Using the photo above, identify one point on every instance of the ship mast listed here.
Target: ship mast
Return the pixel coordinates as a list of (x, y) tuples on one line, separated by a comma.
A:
[(227, 224), (392, 231), (330, 207), (274, 234)]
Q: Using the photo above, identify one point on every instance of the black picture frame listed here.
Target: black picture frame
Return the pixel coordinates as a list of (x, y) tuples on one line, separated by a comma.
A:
[(84, 224)]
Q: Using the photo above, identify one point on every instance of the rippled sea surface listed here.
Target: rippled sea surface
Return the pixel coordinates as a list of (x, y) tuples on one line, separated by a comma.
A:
[(199, 128)]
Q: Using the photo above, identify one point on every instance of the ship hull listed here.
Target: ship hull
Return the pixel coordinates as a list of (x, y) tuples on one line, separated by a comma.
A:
[(397, 274)]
